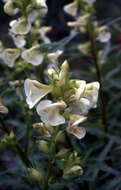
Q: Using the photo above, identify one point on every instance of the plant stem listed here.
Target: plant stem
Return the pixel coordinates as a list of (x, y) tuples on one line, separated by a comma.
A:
[(94, 52), (27, 138), (51, 160), (23, 156)]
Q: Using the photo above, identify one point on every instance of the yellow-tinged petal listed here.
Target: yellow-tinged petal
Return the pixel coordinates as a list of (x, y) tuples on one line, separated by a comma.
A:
[(91, 93), (71, 8), (9, 56), (33, 55), (35, 91), (20, 26)]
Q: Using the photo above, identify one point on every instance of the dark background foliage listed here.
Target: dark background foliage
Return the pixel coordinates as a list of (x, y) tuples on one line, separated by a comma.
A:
[(100, 152)]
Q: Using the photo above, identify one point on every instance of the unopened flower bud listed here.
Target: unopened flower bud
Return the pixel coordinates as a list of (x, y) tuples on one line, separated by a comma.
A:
[(43, 146), (60, 137), (35, 174), (77, 170), (9, 140), (63, 153)]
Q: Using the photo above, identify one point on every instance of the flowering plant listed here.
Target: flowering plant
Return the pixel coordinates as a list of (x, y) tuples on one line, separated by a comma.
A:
[(54, 106)]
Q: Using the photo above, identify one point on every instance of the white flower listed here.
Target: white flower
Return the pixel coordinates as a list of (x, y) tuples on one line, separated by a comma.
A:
[(50, 112), (53, 57), (103, 35), (71, 8), (85, 97), (80, 88), (84, 48), (80, 106), (42, 3), (35, 91), (73, 127), (33, 55), (91, 93), (20, 26), (10, 9), (19, 40), (9, 56), (43, 31), (80, 23)]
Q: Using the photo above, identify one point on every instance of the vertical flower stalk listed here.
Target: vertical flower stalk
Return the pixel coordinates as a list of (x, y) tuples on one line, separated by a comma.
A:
[(94, 53), (51, 160)]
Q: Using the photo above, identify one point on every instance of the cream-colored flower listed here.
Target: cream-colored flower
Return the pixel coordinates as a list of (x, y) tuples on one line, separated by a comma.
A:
[(33, 55), (43, 31), (50, 112), (9, 56), (53, 57), (80, 86), (73, 127), (71, 8), (80, 23), (35, 91), (43, 130), (3, 109), (84, 48), (91, 93), (80, 106), (43, 7), (19, 40), (20, 26), (10, 9), (103, 34)]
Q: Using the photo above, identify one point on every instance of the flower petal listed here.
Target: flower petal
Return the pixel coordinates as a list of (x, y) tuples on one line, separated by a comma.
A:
[(49, 112), (71, 8), (33, 55), (35, 91), (20, 26), (19, 40), (91, 93), (81, 106), (9, 56), (79, 91), (78, 132)]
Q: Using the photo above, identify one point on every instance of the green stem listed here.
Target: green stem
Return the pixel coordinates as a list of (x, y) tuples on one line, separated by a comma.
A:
[(51, 160), (41, 73), (23, 156), (27, 138), (94, 52)]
